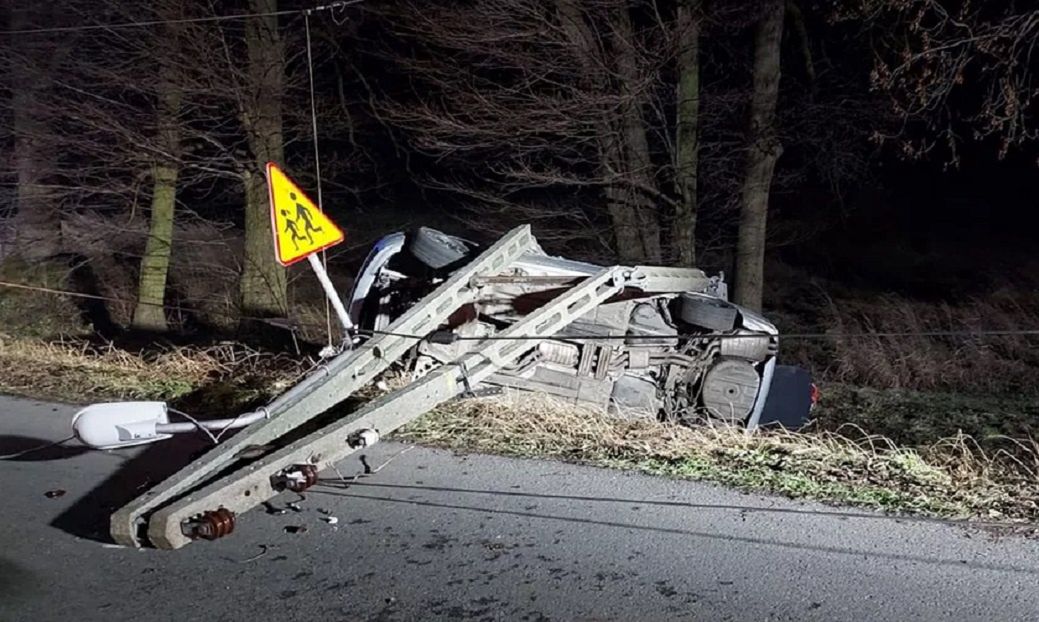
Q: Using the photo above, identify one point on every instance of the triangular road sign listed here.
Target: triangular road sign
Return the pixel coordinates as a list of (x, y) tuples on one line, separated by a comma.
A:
[(300, 228)]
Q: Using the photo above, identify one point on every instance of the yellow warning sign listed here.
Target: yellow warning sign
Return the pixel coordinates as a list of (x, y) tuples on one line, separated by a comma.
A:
[(300, 228)]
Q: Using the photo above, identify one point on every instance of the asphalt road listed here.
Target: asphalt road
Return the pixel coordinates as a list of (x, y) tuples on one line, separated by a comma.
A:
[(437, 536)]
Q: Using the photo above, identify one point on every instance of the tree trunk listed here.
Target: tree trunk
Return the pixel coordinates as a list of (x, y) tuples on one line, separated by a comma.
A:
[(624, 223), (687, 156), (38, 223), (263, 286), (639, 167), (763, 151), (149, 313), (800, 30), (625, 219)]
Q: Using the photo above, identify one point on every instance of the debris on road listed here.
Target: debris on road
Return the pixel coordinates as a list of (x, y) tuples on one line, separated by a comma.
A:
[(263, 551), (272, 510)]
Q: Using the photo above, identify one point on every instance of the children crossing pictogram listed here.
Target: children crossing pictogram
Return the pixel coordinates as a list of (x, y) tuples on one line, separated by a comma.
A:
[(290, 228), (299, 227), (303, 215)]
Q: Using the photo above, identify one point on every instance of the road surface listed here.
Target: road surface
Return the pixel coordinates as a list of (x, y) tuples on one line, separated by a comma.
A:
[(437, 536)]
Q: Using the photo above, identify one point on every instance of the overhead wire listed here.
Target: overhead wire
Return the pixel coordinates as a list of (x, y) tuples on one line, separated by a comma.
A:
[(317, 163), (451, 337), (804, 336), (186, 20)]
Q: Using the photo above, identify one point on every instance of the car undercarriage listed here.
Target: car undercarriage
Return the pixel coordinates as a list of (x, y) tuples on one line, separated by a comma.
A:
[(686, 355)]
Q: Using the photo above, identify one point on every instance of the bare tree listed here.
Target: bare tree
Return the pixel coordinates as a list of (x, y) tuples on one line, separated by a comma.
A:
[(216, 120), (687, 151), (213, 119), (32, 63), (763, 151), (956, 71), (592, 118), (149, 314), (263, 285), (136, 120), (158, 111), (560, 111)]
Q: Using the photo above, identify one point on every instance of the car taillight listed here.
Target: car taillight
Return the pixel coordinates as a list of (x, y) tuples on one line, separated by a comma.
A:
[(815, 393)]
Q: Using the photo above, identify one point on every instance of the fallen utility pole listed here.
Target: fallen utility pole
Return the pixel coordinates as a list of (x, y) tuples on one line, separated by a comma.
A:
[(295, 466), (329, 385)]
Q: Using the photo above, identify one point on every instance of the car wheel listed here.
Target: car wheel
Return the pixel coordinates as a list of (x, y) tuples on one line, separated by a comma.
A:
[(707, 312), (436, 249)]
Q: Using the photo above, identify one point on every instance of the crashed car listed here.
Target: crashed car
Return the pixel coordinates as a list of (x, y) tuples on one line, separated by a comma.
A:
[(689, 356)]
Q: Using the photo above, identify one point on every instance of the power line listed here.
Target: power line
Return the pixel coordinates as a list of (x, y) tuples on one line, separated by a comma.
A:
[(186, 20), (317, 163), (179, 309), (447, 336)]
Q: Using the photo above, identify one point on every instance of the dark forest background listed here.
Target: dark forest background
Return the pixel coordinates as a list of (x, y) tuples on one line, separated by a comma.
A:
[(852, 166)]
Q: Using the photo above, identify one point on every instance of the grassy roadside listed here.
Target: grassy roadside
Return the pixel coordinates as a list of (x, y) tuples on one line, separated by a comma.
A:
[(214, 379), (952, 478), (985, 477)]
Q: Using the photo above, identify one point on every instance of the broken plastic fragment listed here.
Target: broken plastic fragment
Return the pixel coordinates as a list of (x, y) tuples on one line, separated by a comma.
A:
[(272, 510)]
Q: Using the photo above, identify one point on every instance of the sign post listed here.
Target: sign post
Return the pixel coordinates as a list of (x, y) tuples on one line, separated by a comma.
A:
[(301, 230), (330, 291)]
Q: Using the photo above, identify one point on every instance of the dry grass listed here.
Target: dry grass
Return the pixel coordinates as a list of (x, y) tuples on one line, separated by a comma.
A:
[(982, 363), (74, 370), (919, 418), (952, 478), (312, 325), (965, 363), (836, 462), (30, 314)]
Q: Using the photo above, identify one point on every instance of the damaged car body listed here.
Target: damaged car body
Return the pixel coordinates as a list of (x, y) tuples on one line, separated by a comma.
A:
[(686, 355)]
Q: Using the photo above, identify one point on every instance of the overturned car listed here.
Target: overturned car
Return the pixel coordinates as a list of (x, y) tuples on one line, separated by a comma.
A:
[(674, 349)]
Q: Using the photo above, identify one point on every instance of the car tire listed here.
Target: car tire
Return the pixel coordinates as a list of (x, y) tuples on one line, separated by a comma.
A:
[(707, 312), (436, 249)]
